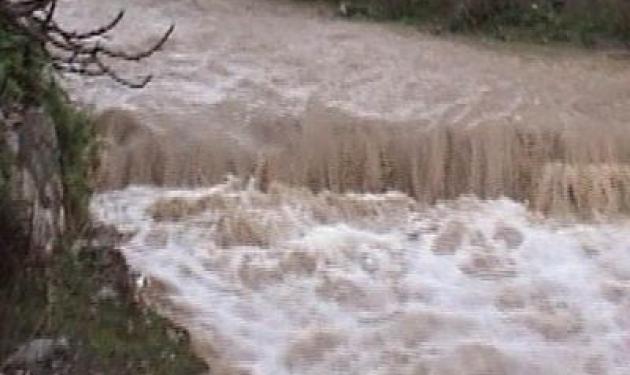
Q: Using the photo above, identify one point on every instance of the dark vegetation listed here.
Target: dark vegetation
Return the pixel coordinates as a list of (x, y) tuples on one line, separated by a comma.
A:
[(81, 293), (583, 21), (33, 48), (86, 297)]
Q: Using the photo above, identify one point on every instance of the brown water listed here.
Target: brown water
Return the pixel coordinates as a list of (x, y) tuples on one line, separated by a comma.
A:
[(279, 279), (290, 93)]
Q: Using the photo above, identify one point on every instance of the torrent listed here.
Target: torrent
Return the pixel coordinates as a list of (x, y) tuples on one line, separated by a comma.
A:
[(581, 171), (312, 195), (291, 282)]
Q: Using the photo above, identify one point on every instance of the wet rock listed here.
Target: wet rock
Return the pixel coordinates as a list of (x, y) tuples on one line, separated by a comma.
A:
[(449, 239), (12, 140), (106, 293), (176, 334), (36, 177), (105, 236), (37, 352)]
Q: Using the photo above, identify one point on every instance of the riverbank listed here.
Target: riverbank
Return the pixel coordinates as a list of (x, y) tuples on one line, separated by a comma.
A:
[(68, 304), (80, 313), (590, 23)]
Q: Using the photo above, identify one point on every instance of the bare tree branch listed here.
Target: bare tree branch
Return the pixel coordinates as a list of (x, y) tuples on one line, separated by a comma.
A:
[(72, 51)]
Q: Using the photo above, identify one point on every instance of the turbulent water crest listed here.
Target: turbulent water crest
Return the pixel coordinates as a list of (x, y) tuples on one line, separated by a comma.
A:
[(291, 282), (400, 203), (582, 171)]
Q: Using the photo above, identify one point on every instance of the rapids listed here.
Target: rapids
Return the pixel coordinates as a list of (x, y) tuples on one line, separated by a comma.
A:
[(291, 282), (397, 202)]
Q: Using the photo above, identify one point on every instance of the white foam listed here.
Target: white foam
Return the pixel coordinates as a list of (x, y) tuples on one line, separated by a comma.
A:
[(376, 293)]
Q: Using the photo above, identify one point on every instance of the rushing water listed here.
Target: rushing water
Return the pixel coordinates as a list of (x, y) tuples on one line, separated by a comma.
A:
[(288, 282), (348, 240)]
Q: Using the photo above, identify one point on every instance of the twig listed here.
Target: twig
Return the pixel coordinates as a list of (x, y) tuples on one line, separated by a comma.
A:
[(72, 51)]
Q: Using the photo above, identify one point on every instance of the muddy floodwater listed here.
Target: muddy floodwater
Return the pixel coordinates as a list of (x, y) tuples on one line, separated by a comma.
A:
[(312, 195)]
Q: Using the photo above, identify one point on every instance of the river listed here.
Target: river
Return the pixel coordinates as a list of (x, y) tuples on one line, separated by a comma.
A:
[(312, 195)]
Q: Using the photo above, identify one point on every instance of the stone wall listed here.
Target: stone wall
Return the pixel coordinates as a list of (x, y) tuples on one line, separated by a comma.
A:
[(35, 187)]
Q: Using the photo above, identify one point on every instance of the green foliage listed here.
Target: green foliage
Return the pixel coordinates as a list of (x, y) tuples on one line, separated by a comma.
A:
[(113, 335), (540, 20), (107, 335), (77, 144), (545, 20), (6, 160), (25, 79), (23, 299), (21, 64)]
